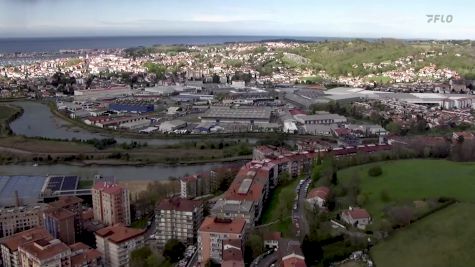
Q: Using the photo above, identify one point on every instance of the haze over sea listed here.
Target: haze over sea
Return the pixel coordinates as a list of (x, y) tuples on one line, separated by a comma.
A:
[(54, 44)]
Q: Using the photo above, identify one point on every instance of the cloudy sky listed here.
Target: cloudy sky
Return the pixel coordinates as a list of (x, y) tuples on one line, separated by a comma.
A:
[(329, 18)]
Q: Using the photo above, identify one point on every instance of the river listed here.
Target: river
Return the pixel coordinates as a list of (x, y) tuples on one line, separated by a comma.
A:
[(150, 173), (37, 120)]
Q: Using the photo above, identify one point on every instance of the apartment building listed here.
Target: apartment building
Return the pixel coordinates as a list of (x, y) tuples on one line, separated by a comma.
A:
[(110, 203), (17, 219), (60, 224), (73, 204), (9, 246), (178, 218), (116, 242), (44, 252), (214, 232)]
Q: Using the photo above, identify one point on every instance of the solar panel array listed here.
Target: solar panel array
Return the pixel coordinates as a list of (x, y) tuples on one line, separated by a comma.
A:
[(61, 183), (28, 189)]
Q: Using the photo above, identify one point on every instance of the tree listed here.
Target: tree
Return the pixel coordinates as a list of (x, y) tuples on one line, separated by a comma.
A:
[(253, 247), (139, 256), (375, 171), (173, 250), (401, 216), (311, 249)]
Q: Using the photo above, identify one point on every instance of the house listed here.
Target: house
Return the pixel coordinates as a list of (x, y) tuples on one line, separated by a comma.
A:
[(318, 196), (290, 254), (357, 217), (271, 240)]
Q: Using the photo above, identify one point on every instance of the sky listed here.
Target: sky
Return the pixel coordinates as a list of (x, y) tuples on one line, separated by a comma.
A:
[(318, 18)]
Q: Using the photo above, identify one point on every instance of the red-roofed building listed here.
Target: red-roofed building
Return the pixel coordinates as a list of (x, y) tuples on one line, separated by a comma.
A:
[(290, 254), (318, 196), (116, 242), (232, 253), (356, 217), (110, 203), (213, 235)]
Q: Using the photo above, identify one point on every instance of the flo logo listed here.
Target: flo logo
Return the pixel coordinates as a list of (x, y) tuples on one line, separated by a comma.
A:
[(439, 18)]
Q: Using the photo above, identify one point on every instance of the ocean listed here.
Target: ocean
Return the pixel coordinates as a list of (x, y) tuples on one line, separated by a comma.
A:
[(54, 44)]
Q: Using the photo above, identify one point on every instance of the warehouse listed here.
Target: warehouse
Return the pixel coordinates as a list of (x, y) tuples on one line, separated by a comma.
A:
[(170, 126), (237, 115), (132, 107)]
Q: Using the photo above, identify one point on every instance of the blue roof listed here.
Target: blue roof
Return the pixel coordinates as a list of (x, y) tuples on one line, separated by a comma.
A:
[(28, 188)]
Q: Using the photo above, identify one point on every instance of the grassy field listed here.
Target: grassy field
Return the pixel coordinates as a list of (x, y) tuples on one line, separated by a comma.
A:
[(442, 239), (6, 112), (410, 180), (280, 207)]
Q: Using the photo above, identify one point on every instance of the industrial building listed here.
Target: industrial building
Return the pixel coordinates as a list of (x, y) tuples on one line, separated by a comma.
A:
[(252, 115), (132, 107), (20, 190)]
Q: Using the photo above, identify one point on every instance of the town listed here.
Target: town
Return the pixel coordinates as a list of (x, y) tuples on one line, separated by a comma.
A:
[(313, 158)]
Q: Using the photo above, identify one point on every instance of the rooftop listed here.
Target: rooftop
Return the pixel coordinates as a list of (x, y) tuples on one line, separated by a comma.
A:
[(119, 233), (215, 225), (65, 201), (108, 187), (18, 239), (232, 206), (238, 113), (44, 249), (178, 204)]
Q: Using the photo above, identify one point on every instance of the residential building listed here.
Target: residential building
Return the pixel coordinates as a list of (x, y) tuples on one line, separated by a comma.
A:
[(178, 218), (73, 204), (82, 255), (110, 203), (44, 252), (214, 232), (230, 209), (271, 240), (60, 224), (318, 197), (9, 246), (17, 219), (116, 242), (232, 253), (290, 254), (357, 217)]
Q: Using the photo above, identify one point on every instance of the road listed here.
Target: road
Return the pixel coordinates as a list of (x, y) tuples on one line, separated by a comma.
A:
[(298, 215), (265, 260)]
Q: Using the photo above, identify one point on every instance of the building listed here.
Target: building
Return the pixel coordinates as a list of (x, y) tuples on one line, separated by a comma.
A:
[(178, 218), (290, 254), (170, 126), (44, 252), (48, 252), (116, 242), (59, 223), (271, 240), (321, 118), (318, 197), (243, 115), (232, 253), (110, 203), (132, 107), (82, 255), (230, 209), (212, 235), (357, 217), (18, 219), (73, 204), (9, 246)]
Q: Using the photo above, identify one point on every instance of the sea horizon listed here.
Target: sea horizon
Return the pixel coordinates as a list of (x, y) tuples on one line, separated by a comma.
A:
[(55, 44)]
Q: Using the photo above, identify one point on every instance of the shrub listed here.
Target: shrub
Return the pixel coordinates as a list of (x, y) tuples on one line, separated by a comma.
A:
[(375, 171)]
